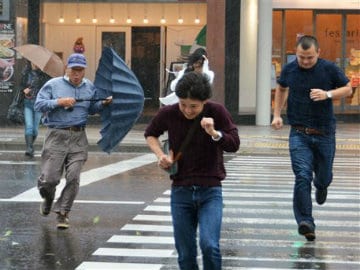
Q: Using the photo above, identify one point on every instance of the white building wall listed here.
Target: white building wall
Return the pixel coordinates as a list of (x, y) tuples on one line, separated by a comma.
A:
[(60, 37), (264, 59)]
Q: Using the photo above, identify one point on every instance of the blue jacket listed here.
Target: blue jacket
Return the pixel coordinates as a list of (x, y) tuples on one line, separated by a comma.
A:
[(60, 117)]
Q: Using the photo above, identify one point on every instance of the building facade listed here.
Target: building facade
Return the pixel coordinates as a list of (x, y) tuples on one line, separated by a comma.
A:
[(248, 42)]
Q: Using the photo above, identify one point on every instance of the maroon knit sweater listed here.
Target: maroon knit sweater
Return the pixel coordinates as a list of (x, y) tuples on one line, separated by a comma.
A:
[(202, 161)]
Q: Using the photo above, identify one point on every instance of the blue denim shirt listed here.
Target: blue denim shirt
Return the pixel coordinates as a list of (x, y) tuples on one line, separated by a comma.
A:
[(303, 111), (57, 116)]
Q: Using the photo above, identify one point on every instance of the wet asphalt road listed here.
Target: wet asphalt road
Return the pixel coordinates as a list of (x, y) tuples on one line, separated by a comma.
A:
[(121, 217), (30, 241)]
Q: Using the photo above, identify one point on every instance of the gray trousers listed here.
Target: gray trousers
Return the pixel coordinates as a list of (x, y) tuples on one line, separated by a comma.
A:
[(63, 150)]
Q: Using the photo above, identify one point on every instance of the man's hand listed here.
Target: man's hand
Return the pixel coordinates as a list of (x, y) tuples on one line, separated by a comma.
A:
[(277, 123), (165, 161), (107, 101), (207, 123), (66, 102), (27, 91), (318, 94)]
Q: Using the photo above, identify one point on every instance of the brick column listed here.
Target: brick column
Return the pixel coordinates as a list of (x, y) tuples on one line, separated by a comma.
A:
[(215, 45)]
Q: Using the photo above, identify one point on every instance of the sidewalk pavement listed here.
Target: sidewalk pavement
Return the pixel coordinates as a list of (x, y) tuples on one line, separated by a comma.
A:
[(254, 139)]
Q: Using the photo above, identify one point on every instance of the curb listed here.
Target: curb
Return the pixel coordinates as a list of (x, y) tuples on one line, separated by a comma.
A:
[(93, 147)]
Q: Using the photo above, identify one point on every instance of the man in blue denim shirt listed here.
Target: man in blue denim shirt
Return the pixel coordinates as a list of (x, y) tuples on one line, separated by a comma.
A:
[(311, 83)]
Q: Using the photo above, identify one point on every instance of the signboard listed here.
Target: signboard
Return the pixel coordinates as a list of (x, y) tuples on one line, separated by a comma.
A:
[(7, 57), (4, 10)]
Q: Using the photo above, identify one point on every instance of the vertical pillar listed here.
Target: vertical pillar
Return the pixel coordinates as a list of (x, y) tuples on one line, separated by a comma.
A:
[(263, 85), (248, 56), (215, 45), (232, 45), (34, 21)]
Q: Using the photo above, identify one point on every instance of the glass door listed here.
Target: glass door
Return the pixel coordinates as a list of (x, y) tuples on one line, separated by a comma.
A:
[(329, 34), (119, 38), (339, 37), (352, 59), (145, 59)]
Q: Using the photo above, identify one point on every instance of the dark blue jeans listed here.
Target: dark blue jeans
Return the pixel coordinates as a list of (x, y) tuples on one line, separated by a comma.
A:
[(191, 206), (312, 159)]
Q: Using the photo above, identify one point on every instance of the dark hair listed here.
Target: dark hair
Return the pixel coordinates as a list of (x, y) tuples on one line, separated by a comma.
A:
[(307, 41), (194, 57), (194, 85)]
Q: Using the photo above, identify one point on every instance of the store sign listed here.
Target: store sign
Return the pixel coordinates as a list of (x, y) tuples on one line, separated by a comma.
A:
[(352, 34), (7, 57)]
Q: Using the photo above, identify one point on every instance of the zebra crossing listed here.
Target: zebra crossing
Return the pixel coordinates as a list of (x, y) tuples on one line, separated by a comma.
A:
[(258, 231)]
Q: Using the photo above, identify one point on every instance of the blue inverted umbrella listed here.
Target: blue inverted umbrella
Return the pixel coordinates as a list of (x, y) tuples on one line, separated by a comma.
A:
[(114, 78)]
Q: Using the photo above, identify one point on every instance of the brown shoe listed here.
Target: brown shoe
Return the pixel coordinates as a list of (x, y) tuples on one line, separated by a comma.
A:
[(307, 230), (62, 220)]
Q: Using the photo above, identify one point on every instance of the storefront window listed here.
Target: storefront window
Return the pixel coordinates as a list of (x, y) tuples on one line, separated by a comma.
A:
[(115, 40), (338, 34), (328, 33), (341, 47), (297, 23), (352, 63), (277, 41)]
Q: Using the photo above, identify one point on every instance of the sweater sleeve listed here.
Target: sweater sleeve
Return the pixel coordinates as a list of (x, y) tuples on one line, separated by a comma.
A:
[(230, 141), (157, 125)]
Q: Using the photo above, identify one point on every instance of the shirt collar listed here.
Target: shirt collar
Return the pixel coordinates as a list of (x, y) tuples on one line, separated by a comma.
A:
[(66, 78)]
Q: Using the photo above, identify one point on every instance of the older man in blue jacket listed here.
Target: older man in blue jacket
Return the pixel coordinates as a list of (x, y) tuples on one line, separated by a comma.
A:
[(65, 145)]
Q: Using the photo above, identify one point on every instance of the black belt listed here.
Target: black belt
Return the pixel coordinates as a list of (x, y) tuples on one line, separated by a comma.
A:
[(308, 131), (73, 128)]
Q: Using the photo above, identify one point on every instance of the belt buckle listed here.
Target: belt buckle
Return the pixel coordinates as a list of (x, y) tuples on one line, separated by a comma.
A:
[(76, 129), (307, 131)]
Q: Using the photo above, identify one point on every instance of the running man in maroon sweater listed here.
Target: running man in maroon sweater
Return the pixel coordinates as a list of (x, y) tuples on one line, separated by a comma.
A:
[(196, 194)]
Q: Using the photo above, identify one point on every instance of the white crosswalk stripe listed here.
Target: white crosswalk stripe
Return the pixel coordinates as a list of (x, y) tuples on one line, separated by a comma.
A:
[(259, 231)]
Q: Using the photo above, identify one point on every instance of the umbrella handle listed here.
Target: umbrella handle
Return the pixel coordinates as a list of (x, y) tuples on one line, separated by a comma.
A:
[(91, 99)]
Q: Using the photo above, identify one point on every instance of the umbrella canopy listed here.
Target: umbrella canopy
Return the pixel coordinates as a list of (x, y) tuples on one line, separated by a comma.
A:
[(114, 78), (44, 59)]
